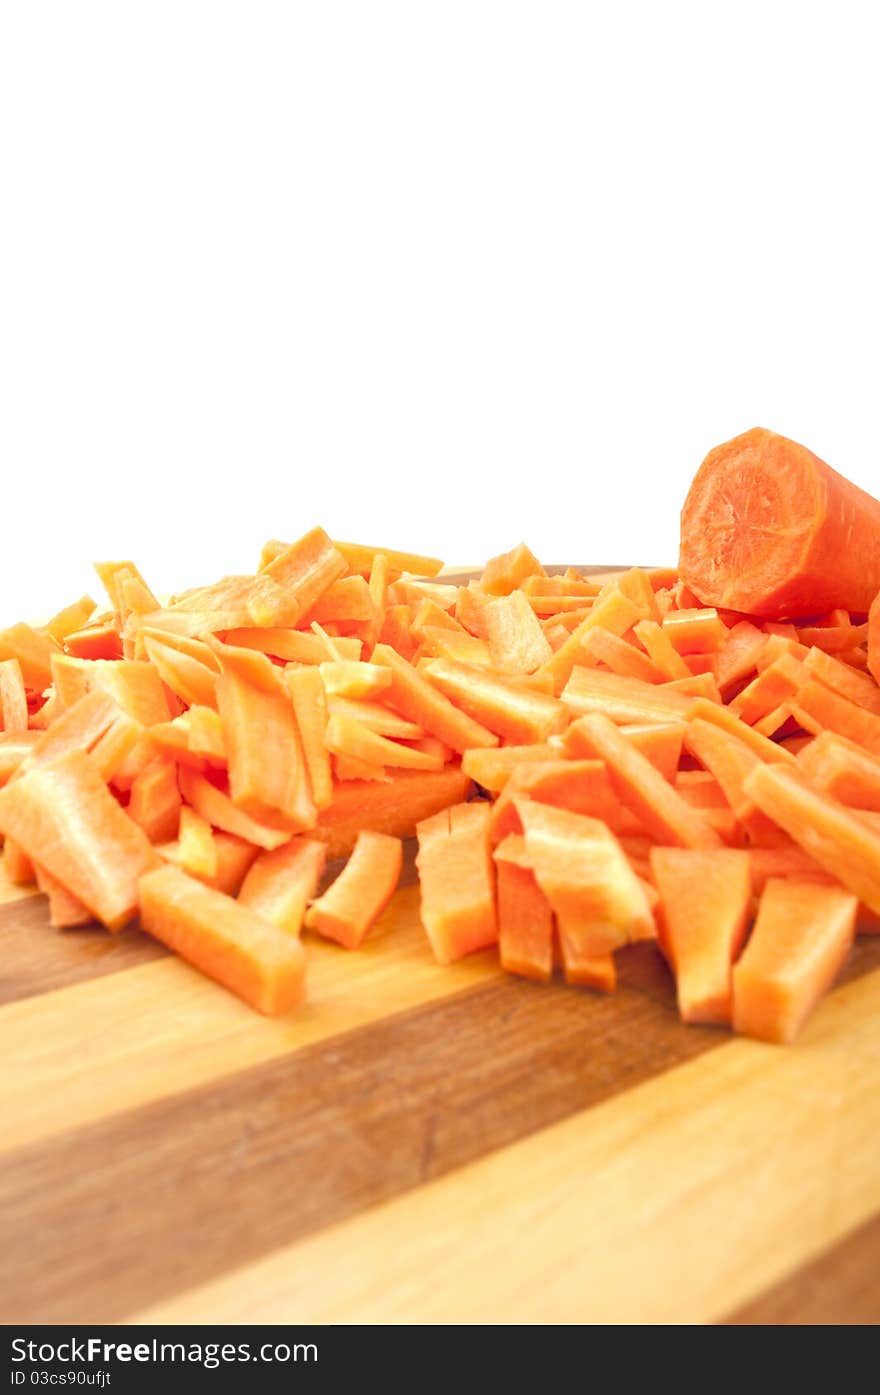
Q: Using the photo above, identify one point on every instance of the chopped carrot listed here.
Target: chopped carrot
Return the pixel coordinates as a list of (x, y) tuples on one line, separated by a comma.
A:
[(354, 680), (188, 677), (860, 688), (719, 716), (517, 644), (346, 599), (582, 786), (225, 940), (600, 646), (294, 581), (414, 697), (205, 735), (705, 901), (659, 742), (33, 651), (505, 573), (17, 865), (516, 713), (266, 767), (700, 631), (457, 883), (71, 618), (280, 884), (65, 910), (802, 935), (353, 903), (598, 900), (14, 747), (612, 611), (360, 559), (738, 657), (79, 728), (437, 643), (220, 811), (769, 529), (395, 806), (660, 649), (65, 818), (643, 789), (842, 769), (525, 918), (731, 761), (831, 834), (624, 699), (293, 646), (197, 853), (373, 716), (775, 684), (309, 698), (396, 633), (154, 800), (99, 640), (818, 708), (493, 768), (13, 698)]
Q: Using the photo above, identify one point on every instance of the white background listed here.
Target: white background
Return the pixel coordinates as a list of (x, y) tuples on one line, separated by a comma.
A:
[(438, 276)]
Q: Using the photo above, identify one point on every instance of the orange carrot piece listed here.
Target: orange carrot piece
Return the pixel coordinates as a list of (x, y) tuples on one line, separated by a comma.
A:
[(345, 736), (512, 711), (437, 643), (414, 697), (818, 708), (119, 745), (582, 786), (836, 639), (14, 747), (582, 970), (307, 693), (205, 736), (376, 717), (354, 680), (625, 700), (517, 643), (33, 651), (696, 685), (429, 615), (234, 857), (294, 581), (17, 865), (352, 904), (653, 800), (493, 768), (525, 918), (65, 911), (874, 638), (700, 631), (612, 611), (600, 646), (738, 656), (100, 640), (705, 900), (505, 573), (660, 649), (65, 818), (13, 698), (837, 838), (197, 854), (190, 679), (720, 716), (842, 769), (266, 767), (219, 810), (396, 806), (598, 900), (802, 935), (71, 618), (769, 529), (291, 645), (659, 742), (456, 878), (225, 940), (731, 762), (79, 728), (396, 633), (346, 599), (280, 884), (135, 686), (773, 685), (857, 687), (360, 559), (154, 802)]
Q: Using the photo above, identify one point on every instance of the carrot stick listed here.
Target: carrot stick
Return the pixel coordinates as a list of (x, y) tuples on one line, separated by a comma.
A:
[(353, 903), (818, 708), (493, 768), (582, 786), (660, 649), (226, 941), (705, 902), (359, 558), (525, 918), (643, 789), (517, 644), (309, 698), (17, 865), (154, 801), (198, 856), (414, 697), (64, 817), (266, 767), (840, 768), (505, 573), (280, 884), (738, 656), (513, 712), (601, 646), (346, 736), (71, 618), (769, 529), (624, 699), (395, 806), (33, 651), (612, 611), (13, 698), (802, 935), (457, 883), (221, 812), (858, 687), (65, 911), (294, 581), (14, 747), (598, 900), (695, 631)]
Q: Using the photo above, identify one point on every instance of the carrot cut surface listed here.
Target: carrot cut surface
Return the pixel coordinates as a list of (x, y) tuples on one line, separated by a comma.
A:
[(394, 806), (820, 709), (801, 937), (280, 884), (309, 698), (457, 881), (100, 640), (188, 677), (624, 699), (354, 901), (769, 529), (294, 581), (525, 918), (612, 611), (197, 854), (699, 631), (730, 761), (600, 646), (738, 656), (493, 768), (517, 644), (660, 649), (14, 748), (72, 617), (860, 688), (843, 770), (583, 970), (154, 800), (505, 573), (64, 817), (582, 786), (705, 900), (655, 802), (225, 940), (33, 651), (66, 912), (515, 713), (266, 768), (360, 558), (598, 900), (767, 750), (79, 728), (215, 805)]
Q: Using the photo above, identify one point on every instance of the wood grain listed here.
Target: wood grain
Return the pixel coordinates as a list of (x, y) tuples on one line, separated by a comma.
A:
[(839, 1288), (306, 1140), (675, 1201)]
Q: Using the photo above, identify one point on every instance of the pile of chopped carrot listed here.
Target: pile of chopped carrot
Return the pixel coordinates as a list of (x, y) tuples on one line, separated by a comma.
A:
[(586, 761)]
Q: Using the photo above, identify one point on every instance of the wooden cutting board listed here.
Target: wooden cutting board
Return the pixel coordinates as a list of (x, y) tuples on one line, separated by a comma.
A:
[(421, 1143)]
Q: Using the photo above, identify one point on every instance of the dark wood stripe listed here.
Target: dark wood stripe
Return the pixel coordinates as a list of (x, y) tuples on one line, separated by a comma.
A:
[(839, 1288), (133, 1209), (35, 958)]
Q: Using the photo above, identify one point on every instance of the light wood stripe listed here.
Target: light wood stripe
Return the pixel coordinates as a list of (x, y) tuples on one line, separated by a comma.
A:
[(75, 1055), (355, 1119), (677, 1201)]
